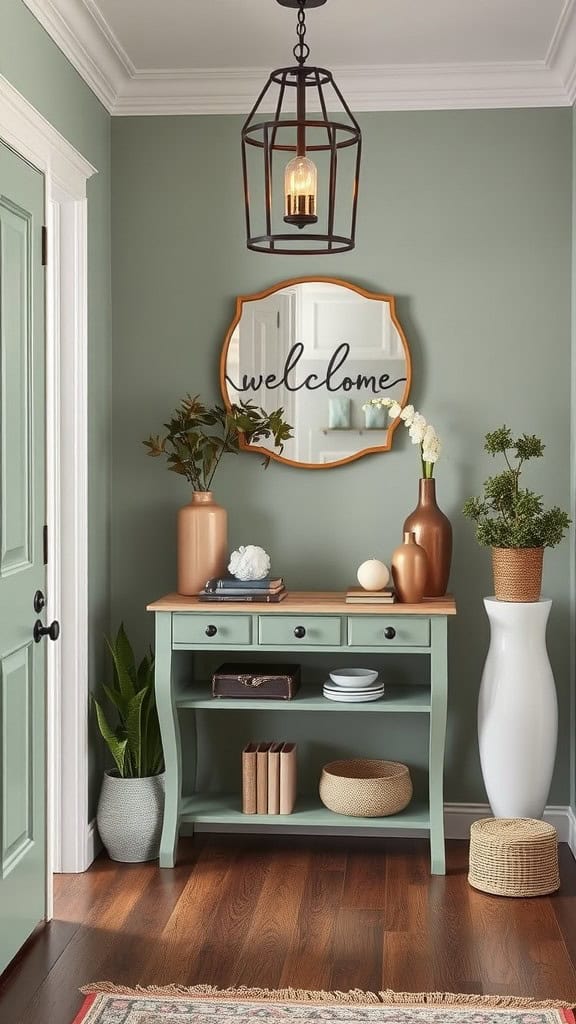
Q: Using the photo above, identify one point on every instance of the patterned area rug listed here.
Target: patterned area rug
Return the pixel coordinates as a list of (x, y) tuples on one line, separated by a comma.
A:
[(111, 1004)]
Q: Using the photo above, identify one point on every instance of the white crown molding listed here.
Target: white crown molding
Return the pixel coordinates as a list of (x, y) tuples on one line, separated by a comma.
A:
[(391, 87), (82, 33), (561, 56)]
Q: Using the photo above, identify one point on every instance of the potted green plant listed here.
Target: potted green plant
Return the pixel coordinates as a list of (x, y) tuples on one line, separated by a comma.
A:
[(512, 520), (131, 805), (195, 439)]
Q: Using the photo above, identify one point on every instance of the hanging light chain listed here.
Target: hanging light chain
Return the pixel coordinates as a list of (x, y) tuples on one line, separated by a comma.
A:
[(301, 51)]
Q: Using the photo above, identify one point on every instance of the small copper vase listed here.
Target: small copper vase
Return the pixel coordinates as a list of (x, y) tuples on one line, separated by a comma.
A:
[(434, 533), (409, 570), (202, 542)]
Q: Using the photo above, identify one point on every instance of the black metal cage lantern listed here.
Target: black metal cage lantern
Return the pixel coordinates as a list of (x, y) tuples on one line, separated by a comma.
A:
[(301, 168)]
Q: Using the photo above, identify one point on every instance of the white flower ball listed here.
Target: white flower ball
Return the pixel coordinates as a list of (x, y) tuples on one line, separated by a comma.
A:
[(373, 574), (249, 563)]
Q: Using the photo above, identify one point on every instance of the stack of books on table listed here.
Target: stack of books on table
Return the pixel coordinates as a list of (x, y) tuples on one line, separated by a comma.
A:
[(357, 595), (269, 778), (227, 588)]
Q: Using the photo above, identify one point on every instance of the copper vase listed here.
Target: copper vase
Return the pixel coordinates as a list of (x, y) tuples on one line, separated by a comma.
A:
[(202, 542), (409, 570), (433, 532)]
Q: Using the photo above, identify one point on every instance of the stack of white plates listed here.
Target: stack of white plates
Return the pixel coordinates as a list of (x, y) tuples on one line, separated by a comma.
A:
[(353, 686)]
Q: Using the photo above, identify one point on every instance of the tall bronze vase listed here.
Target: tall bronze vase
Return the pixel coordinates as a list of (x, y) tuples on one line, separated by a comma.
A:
[(433, 532), (202, 542)]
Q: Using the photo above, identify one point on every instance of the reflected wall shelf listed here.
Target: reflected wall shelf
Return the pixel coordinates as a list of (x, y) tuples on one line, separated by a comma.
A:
[(353, 430)]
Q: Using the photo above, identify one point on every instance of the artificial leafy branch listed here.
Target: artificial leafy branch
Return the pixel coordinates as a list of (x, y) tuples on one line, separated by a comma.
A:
[(507, 515), (197, 436)]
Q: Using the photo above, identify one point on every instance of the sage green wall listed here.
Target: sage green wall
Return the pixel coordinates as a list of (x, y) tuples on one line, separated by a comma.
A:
[(464, 216), (573, 490), (36, 67)]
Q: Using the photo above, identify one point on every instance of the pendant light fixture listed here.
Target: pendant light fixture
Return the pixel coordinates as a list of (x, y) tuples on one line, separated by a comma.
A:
[(301, 167)]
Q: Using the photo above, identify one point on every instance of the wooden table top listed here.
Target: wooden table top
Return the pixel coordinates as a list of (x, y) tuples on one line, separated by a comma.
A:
[(307, 601)]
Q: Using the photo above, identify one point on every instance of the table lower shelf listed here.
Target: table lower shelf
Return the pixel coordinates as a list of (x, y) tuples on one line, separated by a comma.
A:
[(405, 699), (224, 809)]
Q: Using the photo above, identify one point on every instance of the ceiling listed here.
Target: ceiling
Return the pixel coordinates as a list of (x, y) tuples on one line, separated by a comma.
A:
[(260, 33), (202, 56)]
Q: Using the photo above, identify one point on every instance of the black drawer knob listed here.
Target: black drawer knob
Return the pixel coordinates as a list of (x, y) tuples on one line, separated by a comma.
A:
[(389, 632), (211, 630), (299, 632)]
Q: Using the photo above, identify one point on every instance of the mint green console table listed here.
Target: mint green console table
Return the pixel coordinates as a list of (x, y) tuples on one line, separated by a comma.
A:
[(304, 622)]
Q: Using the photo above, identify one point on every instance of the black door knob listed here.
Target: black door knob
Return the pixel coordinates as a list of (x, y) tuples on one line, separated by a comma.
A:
[(211, 630), (299, 632), (52, 631), (389, 632), (39, 601)]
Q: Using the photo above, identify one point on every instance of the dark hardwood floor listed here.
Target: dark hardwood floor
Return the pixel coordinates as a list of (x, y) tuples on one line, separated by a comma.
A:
[(310, 913)]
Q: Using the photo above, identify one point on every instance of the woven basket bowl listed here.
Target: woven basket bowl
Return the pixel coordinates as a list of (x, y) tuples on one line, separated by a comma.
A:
[(517, 573), (513, 857), (365, 788)]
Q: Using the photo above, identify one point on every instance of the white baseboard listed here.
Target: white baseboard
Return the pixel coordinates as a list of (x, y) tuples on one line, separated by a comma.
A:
[(457, 821), (571, 840), (93, 842), (459, 817)]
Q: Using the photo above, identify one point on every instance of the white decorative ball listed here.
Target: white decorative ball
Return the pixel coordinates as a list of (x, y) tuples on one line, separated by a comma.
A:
[(249, 563), (373, 574)]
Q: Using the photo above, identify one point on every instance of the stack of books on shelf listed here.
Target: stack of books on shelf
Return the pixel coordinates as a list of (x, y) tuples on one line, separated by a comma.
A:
[(269, 778), (357, 595), (227, 588)]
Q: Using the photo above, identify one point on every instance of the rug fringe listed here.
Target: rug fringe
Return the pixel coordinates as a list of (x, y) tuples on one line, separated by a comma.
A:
[(386, 997)]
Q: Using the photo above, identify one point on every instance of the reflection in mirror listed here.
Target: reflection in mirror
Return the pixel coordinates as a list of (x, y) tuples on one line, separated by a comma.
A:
[(319, 349)]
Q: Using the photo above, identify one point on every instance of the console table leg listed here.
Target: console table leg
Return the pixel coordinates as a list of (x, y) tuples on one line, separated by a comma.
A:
[(168, 718), (439, 687)]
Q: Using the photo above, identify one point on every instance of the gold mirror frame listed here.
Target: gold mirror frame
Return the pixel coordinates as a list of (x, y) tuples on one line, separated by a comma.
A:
[(241, 300)]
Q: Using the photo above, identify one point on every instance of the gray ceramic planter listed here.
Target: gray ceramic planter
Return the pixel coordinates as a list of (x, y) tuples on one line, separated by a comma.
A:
[(129, 817)]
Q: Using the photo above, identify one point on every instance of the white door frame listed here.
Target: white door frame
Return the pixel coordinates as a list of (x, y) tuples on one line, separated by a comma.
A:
[(65, 172)]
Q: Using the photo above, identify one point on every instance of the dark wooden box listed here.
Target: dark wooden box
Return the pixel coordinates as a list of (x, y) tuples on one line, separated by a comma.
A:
[(262, 682)]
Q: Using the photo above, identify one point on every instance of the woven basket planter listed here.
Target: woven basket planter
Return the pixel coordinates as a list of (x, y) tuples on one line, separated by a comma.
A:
[(513, 857), (517, 573), (365, 788)]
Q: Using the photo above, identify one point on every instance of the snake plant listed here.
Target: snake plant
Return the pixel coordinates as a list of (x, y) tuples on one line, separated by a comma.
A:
[(134, 740)]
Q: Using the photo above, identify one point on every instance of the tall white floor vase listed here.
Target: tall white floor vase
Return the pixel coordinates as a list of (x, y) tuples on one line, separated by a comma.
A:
[(517, 710)]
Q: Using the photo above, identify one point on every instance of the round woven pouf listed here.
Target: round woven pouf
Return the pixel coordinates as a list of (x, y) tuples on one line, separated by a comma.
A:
[(513, 857)]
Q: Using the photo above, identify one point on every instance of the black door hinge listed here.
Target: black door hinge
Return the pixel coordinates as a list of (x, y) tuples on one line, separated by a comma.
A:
[(44, 245), (45, 544)]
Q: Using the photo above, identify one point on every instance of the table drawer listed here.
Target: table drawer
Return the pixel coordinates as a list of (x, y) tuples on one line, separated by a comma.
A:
[(300, 630), (391, 631), (212, 629)]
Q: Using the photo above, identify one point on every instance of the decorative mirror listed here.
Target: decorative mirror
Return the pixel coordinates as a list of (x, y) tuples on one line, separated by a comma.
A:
[(320, 349)]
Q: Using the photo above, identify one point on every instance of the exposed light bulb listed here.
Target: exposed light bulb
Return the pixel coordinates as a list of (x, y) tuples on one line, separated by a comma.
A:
[(300, 190)]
